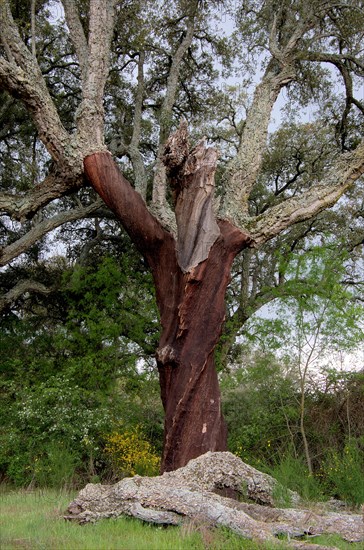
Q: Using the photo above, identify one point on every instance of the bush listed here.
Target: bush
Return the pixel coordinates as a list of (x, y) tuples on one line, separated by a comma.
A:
[(130, 453), (292, 473), (56, 467), (52, 429), (344, 472)]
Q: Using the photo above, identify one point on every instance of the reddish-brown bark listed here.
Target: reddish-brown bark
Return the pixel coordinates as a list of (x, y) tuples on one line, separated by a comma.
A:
[(192, 311)]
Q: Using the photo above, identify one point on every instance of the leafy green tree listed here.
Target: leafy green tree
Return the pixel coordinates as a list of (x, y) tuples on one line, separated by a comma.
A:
[(69, 372), (116, 81), (302, 339)]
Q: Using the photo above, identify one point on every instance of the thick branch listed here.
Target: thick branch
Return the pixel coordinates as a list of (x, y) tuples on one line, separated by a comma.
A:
[(107, 180), (21, 207), (243, 170), (348, 168), (24, 80), (13, 250), (21, 288), (77, 34), (90, 116)]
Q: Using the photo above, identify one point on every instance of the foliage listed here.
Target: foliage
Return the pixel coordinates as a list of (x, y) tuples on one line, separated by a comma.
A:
[(51, 424), (344, 471), (130, 453), (258, 401), (292, 473), (69, 373), (261, 406)]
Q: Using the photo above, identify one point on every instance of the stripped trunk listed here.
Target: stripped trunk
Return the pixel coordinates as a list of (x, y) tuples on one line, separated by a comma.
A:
[(192, 313), (190, 274)]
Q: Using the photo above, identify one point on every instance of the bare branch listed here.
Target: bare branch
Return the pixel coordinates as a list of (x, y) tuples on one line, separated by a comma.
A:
[(348, 168), (77, 34), (21, 288), (39, 230)]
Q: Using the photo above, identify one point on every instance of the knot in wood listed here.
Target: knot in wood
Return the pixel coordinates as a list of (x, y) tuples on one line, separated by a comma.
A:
[(165, 355)]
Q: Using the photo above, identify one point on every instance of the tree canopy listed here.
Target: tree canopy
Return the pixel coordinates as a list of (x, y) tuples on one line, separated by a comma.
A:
[(97, 97)]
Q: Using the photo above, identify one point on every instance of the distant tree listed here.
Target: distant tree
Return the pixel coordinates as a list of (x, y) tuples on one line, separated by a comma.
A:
[(188, 239)]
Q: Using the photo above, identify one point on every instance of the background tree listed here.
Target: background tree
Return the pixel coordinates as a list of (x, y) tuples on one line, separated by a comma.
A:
[(190, 254)]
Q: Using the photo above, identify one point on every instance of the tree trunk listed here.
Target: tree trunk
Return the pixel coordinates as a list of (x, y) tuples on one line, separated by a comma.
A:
[(190, 276), (191, 329)]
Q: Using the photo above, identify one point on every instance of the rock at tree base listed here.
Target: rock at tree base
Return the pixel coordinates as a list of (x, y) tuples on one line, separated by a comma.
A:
[(195, 491)]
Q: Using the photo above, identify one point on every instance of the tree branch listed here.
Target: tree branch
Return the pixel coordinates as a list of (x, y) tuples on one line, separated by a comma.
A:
[(21, 288), (13, 250), (90, 115), (348, 168), (54, 186), (77, 35), (130, 208), (134, 153), (243, 170), (24, 80)]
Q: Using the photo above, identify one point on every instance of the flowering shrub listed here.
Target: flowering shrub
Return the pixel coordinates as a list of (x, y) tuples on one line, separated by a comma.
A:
[(130, 453), (345, 473), (52, 429)]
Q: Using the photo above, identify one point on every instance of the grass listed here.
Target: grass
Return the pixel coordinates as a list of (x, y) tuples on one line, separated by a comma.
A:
[(34, 520)]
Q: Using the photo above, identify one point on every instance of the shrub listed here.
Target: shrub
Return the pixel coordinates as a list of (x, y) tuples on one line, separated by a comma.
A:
[(292, 473), (52, 430), (130, 453), (344, 472)]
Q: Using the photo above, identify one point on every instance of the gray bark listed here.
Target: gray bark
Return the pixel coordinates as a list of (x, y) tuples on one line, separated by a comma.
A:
[(23, 206), (77, 35), (133, 149), (195, 492), (21, 76), (21, 288), (340, 177), (90, 115), (40, 229)]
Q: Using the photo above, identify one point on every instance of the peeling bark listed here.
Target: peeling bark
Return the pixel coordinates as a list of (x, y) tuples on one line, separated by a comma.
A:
[(191, 304), (192, 180)]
